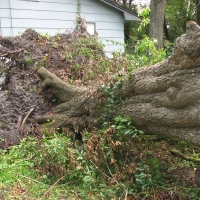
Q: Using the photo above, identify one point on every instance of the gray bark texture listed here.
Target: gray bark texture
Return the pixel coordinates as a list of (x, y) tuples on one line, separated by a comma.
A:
[(157, 21), (163, 99), (198, 11)]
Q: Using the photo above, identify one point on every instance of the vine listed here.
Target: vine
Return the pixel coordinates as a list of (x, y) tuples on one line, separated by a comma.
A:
[(78, 11)]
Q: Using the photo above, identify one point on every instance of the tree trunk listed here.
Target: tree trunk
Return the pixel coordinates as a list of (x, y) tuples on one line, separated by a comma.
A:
[(162, 99), (157, 21), (198, 11)]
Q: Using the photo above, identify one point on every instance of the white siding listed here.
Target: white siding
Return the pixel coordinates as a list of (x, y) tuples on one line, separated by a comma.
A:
[(48, 16), (109, 23)]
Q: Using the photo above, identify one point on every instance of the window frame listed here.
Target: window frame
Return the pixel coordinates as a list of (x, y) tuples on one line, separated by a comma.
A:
[(93, 23)]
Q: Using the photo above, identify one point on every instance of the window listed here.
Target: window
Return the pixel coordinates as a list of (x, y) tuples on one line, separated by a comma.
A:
[(91, 28)]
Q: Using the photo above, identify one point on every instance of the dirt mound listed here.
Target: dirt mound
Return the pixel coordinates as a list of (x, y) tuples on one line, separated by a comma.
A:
[(20, 57)]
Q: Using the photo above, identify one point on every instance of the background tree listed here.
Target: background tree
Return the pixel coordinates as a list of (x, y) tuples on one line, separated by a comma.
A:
[(176, 14), (156, 21), (198, 11)]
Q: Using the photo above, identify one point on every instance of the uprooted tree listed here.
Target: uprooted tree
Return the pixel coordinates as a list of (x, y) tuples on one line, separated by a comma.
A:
[(162, 99)]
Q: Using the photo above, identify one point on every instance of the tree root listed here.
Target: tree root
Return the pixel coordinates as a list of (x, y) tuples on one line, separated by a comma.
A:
[(185, 157)]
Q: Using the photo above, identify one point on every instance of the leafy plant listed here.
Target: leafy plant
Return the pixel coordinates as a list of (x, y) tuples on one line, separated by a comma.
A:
[(111, 100), (142, 178), (29, 61), (169, 49), (146, 53), (144, 13), (125, 129), (104, 167)]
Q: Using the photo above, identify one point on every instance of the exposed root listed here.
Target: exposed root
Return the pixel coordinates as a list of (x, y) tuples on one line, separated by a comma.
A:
[(24, 120), (185, 157)]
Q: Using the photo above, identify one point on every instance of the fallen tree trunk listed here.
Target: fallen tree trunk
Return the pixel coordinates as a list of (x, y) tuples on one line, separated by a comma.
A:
[(162, 99)]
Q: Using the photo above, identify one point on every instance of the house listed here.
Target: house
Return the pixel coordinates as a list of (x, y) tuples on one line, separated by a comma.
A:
[(53, 16)]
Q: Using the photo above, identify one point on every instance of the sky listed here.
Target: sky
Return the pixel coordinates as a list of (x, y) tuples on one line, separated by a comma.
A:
[(142, 2)]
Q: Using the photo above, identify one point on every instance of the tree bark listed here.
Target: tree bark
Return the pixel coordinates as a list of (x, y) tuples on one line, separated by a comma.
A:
[(157, 21), (198, 11), (162, 99)]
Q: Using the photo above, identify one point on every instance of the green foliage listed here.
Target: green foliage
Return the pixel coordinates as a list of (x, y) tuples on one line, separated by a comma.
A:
[(144, 13), (168, 48), (116, 43), (103, 168), (177, 13), (125, 129), (143, 52), (111, 100), (138, 30), (29, 60), (78, 12), (54, 157), (84, 46), (46, 35), (115, 138), (146, 53), (88, 62), (12, 165), (142, 178)]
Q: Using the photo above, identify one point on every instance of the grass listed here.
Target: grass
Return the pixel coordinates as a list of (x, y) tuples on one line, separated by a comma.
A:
[(51, 168)]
